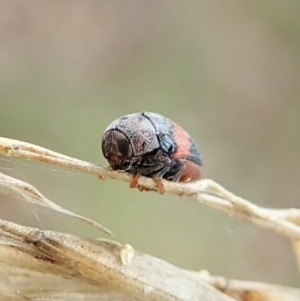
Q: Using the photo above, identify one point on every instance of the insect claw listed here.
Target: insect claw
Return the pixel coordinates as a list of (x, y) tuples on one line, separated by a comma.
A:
[(160, 186), (135, 181)]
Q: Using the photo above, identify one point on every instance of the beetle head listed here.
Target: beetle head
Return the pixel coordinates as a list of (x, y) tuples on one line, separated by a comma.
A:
[(117, 149)]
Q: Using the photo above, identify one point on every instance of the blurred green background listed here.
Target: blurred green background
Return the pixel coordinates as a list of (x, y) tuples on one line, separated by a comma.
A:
[(228, 72)]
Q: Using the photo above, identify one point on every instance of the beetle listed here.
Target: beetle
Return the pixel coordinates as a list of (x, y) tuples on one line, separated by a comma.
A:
[(151, 145)]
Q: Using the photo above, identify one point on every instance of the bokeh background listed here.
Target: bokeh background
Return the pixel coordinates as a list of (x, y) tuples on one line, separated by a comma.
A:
[(228, 72)]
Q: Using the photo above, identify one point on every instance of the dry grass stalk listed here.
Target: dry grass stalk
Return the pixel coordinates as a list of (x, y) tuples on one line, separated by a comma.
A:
[(45, 256), (205, 191), (98, 264), (250, 290)]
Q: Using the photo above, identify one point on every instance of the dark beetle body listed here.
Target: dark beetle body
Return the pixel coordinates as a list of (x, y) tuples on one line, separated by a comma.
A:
[(153, 146)]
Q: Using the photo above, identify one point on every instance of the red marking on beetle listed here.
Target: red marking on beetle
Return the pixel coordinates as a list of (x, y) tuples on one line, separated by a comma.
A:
[(191, 172), (183, 142)]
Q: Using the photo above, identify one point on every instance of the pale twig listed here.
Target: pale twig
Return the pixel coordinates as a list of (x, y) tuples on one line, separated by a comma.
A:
[(207, 192), (102, 263), (250, 290), (24, 191), (98, 263)]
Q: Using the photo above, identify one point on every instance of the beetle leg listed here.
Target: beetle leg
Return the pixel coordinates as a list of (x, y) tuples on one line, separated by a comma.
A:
[(157, 165), (175, 171), (154, 167), (135, 181), (160, 186), (135, 184)]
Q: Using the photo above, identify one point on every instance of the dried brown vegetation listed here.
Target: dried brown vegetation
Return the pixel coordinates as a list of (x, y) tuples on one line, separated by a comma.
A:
[(46, 265)]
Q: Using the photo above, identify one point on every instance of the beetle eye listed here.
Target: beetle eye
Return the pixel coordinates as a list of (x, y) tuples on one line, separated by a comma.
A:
[(103, 148), (125, 148)]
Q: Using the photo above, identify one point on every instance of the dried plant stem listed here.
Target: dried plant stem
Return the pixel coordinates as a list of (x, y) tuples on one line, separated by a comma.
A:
[(207, 192), (250, 290), (24, 191), (98, 263)]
